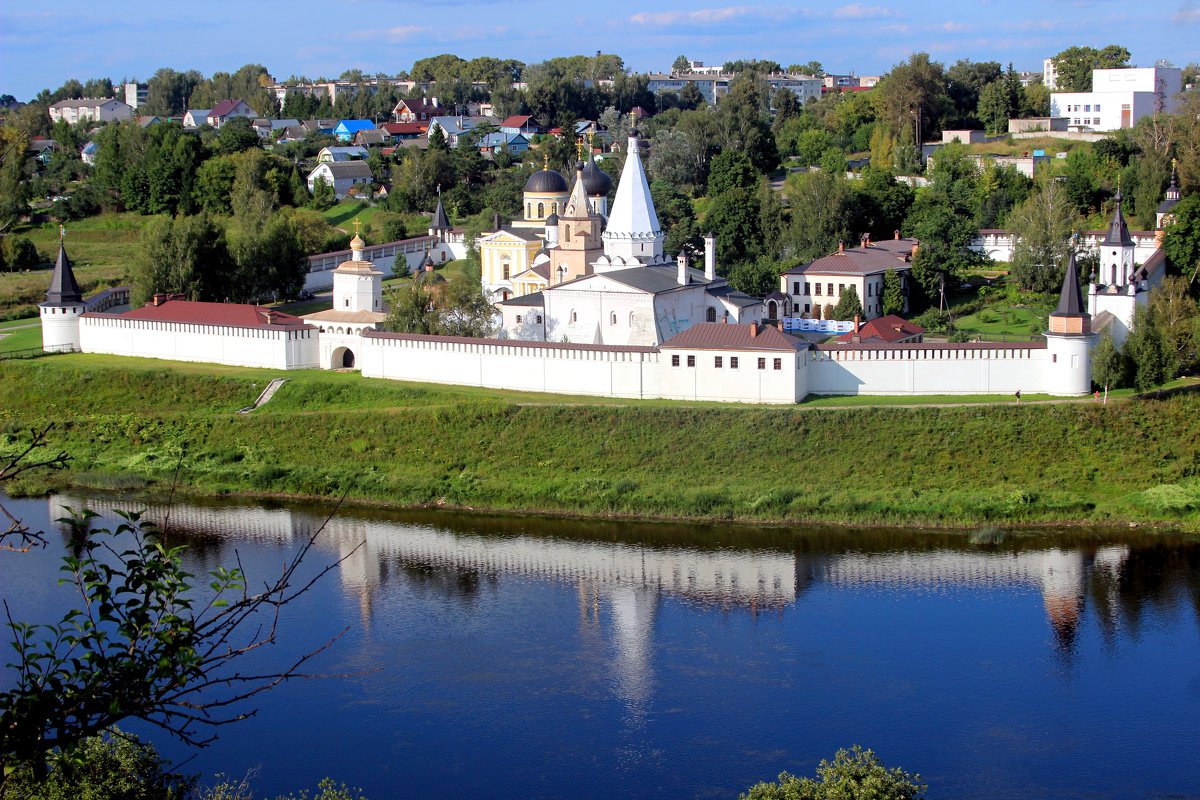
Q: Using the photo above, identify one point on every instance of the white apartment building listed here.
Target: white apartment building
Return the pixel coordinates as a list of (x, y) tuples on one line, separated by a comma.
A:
[(90, 109), (1049, 74), (1119, 98)]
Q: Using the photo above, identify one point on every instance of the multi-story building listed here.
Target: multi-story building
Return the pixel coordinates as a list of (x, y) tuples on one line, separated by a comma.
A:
[(1049, 74), (1119, 98), (90, 109), (136, 94)]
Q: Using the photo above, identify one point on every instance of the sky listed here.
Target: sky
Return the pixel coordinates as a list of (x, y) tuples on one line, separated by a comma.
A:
[(42, 45)]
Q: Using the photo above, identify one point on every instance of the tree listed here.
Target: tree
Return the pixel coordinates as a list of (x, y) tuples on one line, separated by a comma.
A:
[(855, 774), (392, 227), (913, 94), (965, 82), (1181, 239), (1177, 317), (14, 189), (20, 253), (1042, 227), (1035, 101), (236, 135), (731, 170), (681, 65), (822, 206), (996, 107), (734, 216), (1075, 64), (1110, 368), (270, 261), (187, 255), (848, 305), (893, 295), (141, 644), (690, 97), (756, 278), (323, 196), (1150, 351), (671, 158)]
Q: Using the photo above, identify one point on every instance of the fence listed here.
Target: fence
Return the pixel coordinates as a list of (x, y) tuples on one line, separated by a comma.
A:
[(38, 352), (817, 325)]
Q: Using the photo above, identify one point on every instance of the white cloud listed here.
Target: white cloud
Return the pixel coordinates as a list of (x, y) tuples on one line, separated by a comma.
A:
[(1186, 16), (859, 11), (955, 27), (714, 16)]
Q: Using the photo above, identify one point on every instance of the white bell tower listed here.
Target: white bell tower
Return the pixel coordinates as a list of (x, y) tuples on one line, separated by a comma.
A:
[(357, 285)]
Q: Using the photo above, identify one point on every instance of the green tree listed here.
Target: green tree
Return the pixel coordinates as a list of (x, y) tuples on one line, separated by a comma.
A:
[(236, 135), (1181, 239), (214, 184), (20, 253), (113, 764), (996, 107), (854, 774), (270, 261), (391, 227), (1075, 64), (14, 190), (913, 95), (1110, 368), (323, 196), (1177, 317), (186, 255), (681, 65), (1150, 351), (1043, 227), (731, 170), (893, 297), (822, 206), (756, 278), (848, 305)]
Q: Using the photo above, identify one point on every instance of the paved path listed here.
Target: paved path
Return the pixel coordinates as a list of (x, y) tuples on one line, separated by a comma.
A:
[(266, 395)]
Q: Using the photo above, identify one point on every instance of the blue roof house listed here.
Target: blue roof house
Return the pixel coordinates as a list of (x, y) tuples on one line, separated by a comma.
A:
[(346, 128)]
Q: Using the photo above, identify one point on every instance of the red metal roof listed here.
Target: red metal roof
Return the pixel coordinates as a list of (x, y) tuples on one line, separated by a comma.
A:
[(515, 121), (222, 108), (720, 336), (405, 128), (884, 329), (232, 315)]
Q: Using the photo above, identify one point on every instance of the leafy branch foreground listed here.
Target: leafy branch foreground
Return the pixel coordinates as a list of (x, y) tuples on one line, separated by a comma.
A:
[(140, 644)]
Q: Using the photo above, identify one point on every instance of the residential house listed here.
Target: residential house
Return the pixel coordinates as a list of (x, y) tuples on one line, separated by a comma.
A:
[(226, 110), (268, 128), (371, 138), (397, 131), (87, 154), (337, 155), (417, 109), (145, 121), (342, 176), (90, 109), (453, 128), (196, 118), (347, 128), (42, 149), (521, 123), (822, 282), (514, 143)]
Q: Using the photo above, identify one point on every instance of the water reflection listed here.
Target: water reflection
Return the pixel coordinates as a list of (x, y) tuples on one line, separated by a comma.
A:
[(626, 570)]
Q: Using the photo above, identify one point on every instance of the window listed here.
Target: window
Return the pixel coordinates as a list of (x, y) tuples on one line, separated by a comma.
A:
[(841, 288), (1096, 108), (518, 319), (612, 318), (539, 319), (691, 361), (567, 233), (806, 291), (710, 314), (818, 289), (554, 208), (733, 362), (870, 290), (541, 210), (830, 292), (574, 317), (717, 362), (529, 211), (347, 299), (795, 287), (506, 272), (674, 361), (1088, 108), (762, 363), (807, 309)]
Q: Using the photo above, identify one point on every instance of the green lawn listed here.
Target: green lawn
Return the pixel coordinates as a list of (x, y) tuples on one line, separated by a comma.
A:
[(22, 338), (999, 323), (343, 215)]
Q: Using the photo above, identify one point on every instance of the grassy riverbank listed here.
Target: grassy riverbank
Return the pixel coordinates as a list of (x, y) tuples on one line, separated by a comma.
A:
[(126, 421)]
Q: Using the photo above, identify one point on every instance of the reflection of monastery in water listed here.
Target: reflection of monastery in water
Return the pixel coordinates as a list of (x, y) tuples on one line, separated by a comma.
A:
[(630, 580)]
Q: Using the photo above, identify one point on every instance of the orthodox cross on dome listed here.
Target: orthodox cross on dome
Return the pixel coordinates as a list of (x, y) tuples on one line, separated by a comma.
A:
[(546, 160), (579, 148), (356, 224)]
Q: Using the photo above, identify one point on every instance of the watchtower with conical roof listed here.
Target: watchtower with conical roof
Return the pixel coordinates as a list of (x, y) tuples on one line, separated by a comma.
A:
[(63, 307), (1166, 210), (1069, 339)]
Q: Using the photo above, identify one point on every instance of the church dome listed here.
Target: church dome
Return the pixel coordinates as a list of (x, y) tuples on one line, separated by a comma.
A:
[(596, 182), (357, 243), (551, 220), (547, 181)]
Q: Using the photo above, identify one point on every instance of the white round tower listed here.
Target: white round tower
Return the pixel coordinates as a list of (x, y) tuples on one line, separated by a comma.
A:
[(63, 307)]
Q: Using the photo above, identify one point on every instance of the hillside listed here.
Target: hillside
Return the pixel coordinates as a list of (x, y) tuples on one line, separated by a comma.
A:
[(126, 425)]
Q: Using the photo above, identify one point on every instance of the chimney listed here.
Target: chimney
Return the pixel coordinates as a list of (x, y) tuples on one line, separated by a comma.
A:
[(496, 221), (916, 247), (856, 337), (710, 256), (682, 261), (158, 299), (434, 102), (867, 239), (753, 329), (841, 248), (863, 241), (779, 325)]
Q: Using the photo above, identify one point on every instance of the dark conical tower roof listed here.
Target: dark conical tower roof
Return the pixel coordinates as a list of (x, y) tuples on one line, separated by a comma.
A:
[(1070, 299), (1118, 231), (1172, 198), (440, 221), (64, 290)]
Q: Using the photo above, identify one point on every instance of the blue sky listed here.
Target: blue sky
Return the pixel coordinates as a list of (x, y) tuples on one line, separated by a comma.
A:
[(41, 45)]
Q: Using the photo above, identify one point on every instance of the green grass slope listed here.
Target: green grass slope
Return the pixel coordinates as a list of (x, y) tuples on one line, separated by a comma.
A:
[(126, 424)]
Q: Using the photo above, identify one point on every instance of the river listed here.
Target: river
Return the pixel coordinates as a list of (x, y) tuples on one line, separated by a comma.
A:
[(529, 658)]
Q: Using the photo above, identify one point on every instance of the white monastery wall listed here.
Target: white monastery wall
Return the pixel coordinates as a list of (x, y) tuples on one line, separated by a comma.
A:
[(730, 376), (237, 347), (940, 369), (383, 256)]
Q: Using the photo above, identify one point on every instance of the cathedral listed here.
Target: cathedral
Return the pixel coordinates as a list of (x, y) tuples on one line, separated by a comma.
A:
[(595, 275)]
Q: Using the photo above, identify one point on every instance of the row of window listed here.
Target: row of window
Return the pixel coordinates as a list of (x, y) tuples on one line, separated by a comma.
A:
[(719, 361), (1085, 121), (1088, 108)]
